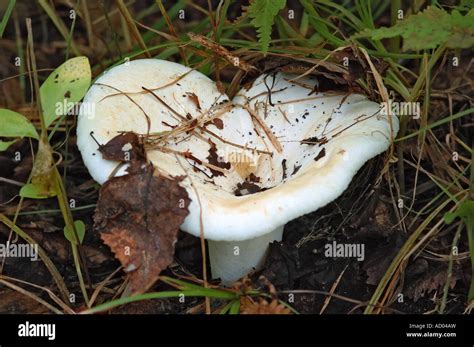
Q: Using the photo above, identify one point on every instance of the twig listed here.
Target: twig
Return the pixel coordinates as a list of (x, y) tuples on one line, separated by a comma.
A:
[(265, 128), (221, 52), (333, 289), (30, 295), (57, 300)]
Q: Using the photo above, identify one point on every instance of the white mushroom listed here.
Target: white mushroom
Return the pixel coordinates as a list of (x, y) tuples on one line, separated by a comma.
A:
[(285, 149)]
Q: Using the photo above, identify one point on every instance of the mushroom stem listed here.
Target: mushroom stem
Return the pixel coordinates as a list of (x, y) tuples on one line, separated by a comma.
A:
[(231, 260)]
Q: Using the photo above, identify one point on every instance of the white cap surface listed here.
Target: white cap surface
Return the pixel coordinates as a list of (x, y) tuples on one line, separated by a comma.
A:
[(349, 130)]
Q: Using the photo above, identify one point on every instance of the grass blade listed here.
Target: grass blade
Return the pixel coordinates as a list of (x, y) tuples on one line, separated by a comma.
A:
[(6, 16)]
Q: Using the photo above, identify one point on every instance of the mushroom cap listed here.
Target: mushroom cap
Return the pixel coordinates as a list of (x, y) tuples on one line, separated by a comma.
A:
[(259, 139)]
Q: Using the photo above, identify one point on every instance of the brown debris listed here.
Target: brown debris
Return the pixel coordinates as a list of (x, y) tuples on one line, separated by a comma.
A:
[(221, 51), (262, 306), (246, 188), (424, 277), (314, 140), (296, 168), (138, 217), (194, 98), (217, 122), (283, 166), (124, 147), (214, 160), (321, 154)]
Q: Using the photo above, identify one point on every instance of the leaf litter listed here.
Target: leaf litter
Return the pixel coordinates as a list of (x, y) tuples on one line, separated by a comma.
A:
[(138, 215)]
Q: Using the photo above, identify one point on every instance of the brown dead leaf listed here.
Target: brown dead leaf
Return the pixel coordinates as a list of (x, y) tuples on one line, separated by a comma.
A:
[(217, 122), (138, 216), (433, 278), (195, 100), (124, 147)]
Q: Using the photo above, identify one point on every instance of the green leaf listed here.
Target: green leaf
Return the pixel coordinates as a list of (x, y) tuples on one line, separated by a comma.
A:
[(34, 191), (465, 211), (263, 13), (429, 29), (235, 307), (15, 124), (80, 230), (5, 144), (64, 87)]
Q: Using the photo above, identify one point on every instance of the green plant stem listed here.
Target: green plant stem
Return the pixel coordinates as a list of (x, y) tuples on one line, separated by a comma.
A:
[(436, 124), (59, 187), (160, 295), (222, 17), (235, 307), (69, 221), (6, 16), (21, 54), (58, 23), (70, 38), (80, 208), (414, 95), (470, 239), (469, 228), (450, 269)]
